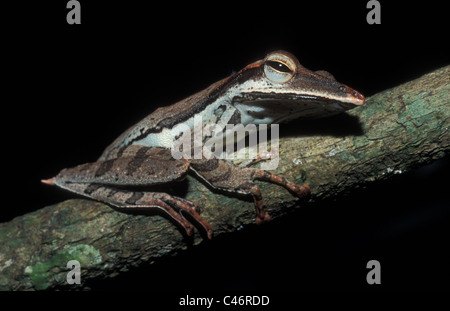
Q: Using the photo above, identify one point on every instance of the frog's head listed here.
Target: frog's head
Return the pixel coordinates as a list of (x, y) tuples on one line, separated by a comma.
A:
[(278, 88)]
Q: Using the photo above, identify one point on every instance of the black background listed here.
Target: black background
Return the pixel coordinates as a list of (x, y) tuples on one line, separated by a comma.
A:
[(75, 88)]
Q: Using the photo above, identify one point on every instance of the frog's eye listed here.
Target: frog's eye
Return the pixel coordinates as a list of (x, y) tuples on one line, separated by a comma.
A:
[(279, 68)]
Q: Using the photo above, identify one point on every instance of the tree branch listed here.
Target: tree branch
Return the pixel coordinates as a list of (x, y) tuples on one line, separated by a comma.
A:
[(397, 130)]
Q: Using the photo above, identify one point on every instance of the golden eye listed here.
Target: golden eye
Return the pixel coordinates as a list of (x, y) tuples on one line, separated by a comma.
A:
[(279, 67)]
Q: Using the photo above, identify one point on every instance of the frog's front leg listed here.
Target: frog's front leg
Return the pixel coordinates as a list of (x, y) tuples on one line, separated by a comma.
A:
[(110, 181), (224, 175)]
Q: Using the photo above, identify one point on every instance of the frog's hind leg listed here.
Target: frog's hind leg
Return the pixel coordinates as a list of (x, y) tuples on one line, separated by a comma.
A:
[(114, 180), (142, 201), (173, 206), (137, 200)]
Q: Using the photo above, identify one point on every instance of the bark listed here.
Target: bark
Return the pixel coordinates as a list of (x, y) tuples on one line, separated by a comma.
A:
[(397, 130)]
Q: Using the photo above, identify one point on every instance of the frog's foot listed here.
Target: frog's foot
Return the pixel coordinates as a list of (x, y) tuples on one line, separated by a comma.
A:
[(301, 191), (193, 210), (173, 206)]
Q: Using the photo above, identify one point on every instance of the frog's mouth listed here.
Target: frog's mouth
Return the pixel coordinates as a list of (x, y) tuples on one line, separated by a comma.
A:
[(287, 106)]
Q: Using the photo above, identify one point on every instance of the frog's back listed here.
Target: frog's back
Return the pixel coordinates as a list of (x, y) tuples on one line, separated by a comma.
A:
[(155, 129)]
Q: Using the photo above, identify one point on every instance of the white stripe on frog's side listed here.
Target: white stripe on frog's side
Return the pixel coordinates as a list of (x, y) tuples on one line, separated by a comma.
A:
[(220, 113)]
